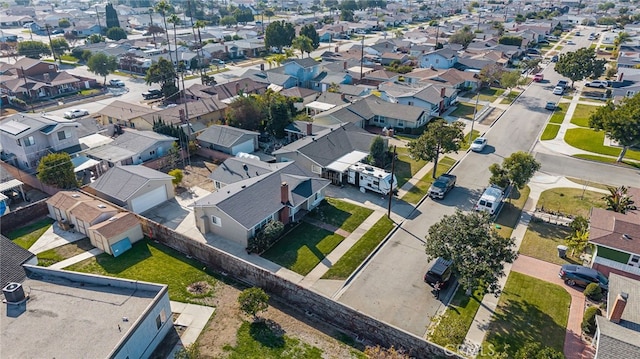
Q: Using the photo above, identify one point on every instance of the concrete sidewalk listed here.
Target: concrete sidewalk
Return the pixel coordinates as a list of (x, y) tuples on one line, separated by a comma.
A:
[(75, 259), (55, 237)]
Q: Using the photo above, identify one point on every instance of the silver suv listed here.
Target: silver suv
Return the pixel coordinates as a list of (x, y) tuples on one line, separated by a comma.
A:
[(598, 83)]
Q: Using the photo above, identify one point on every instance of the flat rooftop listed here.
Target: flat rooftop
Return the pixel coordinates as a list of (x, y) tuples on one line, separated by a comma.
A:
[(67, 317)]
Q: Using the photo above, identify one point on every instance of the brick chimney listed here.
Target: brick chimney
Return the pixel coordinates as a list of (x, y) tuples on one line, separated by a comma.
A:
[(261, 67), (344, 65), (442, 92), (47, 77), (284, 199), (618, 307), (309, 128)]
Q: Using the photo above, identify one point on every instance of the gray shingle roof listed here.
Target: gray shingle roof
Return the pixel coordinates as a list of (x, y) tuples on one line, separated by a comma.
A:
[(122, 182), (12, 257), (236, 169), (226, 136), (616, 341), (304, 62)]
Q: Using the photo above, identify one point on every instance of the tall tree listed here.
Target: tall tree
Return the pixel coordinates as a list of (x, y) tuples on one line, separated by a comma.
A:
[(310, 31), (247, 113), (116, 33), (464, 36), (175, 21), (200, 24), (253, 301), (102, 65), (580, 64), (59, 46), (517, 169), (112, 16), (439, 137), (163, 8), (279, 34), (620, 122), (303, 44), (228, 20), (56, 169), (477, 251), (510, 79), (377, 151), (33, 49), (618, 200), (346, 15), (163, 72)]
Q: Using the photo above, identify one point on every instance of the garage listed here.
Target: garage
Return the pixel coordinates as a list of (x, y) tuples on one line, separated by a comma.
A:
[(246, 147), (149, 200)]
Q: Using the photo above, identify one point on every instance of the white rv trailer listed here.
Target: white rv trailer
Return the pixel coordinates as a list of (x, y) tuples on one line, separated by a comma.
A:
[(371, 178)]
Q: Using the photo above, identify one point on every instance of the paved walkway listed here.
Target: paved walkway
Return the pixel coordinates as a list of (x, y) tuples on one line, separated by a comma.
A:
[(55, 237), (75, 259)]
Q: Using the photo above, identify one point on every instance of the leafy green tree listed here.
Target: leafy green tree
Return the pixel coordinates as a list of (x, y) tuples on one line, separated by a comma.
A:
[(246, 112), (253, 301), (491, 74), (577, 240), (463, 36), (64, 23), (618, 200), (439, 137), (177, 175), (310, 31), (621, 122), (279, 34), (59, 46), (163, 73), (510, 79), (95, 38), (589, 319), (33, 49), (517, 169), (346, 15), (377, 151), (112, 16), (102, 65), (56, 169), (116, 33), (535, 350), (303, 44), (228, 20), (510, 40), (580, 64), (477, 251)]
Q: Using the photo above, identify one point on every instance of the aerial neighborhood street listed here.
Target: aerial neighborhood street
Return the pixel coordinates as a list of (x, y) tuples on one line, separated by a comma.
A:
[(320, 179)]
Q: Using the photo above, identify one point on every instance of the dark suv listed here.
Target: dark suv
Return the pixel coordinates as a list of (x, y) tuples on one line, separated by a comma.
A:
[(152, 94), (439, 271), (582, 276)]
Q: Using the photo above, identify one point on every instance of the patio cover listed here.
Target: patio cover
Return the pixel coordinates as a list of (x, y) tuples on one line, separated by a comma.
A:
[(320, 106), (342, 164), (9, 185)]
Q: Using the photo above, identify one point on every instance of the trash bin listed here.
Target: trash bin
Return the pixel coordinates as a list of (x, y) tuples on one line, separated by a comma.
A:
[(562, 251)]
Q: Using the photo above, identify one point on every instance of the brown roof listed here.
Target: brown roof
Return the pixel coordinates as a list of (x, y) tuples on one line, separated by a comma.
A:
[(298, 92), (608, 228), (196, 108), (124, 111), (117, 224), (65, 200), (90, 210)]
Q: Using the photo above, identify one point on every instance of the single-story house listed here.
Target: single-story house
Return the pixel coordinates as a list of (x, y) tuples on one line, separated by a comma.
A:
[(132, 147), (76, 210), (126, 114), (117, 234), (136, 188), (235, 169), (229, 140)]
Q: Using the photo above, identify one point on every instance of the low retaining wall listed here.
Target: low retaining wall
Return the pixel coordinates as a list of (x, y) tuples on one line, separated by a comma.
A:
[(29, 179), (22, 216)]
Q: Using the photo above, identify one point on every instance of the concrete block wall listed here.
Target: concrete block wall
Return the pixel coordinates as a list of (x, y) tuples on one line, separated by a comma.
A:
[(23, 215)]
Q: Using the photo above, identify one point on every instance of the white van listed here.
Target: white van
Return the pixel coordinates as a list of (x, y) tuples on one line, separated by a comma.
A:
[(490, 200)]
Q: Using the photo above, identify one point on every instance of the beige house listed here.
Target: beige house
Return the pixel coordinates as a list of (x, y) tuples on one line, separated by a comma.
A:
[(87, 213), (61, 203), (126, 114), (115, 235), (201, 113)]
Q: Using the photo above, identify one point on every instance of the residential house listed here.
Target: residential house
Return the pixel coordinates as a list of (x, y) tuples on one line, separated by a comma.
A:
[(434, 98), (325, 79), (304, 70), (303, 96), (236, 169), (12, 21), (200, 114), (229, 140), (444, 58), (230, 90), (299, 129), (618, 332), (615, 236), (388, 57), (136, 188), (26, 138), (125, 114), (86, 29), (271, 77), (116, 235), (282, 195), (77, 210), (12, 257), (131, 148), (628, 56), (375, 78)]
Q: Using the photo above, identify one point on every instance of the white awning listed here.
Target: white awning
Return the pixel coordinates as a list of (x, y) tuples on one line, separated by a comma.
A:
[(320, 106), (82, 163), (11, 184), (342, 164)]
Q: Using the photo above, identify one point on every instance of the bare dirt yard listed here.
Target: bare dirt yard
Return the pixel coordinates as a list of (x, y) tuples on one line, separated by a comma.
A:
[(197, 174)]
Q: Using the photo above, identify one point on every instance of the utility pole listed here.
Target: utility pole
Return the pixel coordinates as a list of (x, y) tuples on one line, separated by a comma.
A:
[(393, 167), (361, 58), (186, 116), (53, 51), (475, 111), (26, 86), (98, 17)]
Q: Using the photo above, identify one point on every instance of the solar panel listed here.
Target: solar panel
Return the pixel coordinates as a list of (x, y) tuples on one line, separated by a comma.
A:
[(14, 128)]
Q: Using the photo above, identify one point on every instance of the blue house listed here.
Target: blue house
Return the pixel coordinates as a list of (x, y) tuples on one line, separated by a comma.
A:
[(303, 69), (439, 59)]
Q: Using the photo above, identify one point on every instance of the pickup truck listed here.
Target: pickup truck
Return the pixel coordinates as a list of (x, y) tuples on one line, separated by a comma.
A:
[(442, 185), (152, 94)]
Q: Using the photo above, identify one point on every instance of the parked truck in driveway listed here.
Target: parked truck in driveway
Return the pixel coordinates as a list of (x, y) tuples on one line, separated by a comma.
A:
[(442, 185)]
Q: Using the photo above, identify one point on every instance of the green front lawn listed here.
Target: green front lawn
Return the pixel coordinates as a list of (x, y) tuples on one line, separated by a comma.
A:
[(153, 262), (341, 214), (406, 167), (303, 248), (489, 94), (510, 213), (66, 251), (510, 97), (570, 201), (607, 160), (464, 110), (26, 236), (582, 113), (419, 190), (455, 322), (593, 141), (559, 113), (588, 183), (466, 143), (343, 268), (258, 340), (529, 310), (541, 241), (550, 132)]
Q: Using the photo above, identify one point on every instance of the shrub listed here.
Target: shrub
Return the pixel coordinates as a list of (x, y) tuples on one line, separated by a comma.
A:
[(265, 237), (589, 319), (593, 292)]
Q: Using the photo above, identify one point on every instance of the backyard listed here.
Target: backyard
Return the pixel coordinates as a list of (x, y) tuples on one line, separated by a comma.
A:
[(26, 236), (529, 310), (58, 254)]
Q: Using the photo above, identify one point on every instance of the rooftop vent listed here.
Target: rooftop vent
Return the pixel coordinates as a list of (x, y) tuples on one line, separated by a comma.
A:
[(626, 236), (102, 206), (75, 195)]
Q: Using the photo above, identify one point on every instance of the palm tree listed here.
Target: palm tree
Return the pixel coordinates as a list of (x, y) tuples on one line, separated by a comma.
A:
[(621, 39), (175, 20), (200, 24), (151, 24), (304, 44), (162, 7), (269, 13), (618, 200)]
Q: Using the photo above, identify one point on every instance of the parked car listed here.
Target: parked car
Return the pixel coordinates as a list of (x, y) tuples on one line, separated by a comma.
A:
[(442, 185), (550, 106), (570, 42), (538, 78), (478, 144), (439, 271), (57, 32), (75, 113), (116, 83), (598, 83), (152, 94), (533, 51), (558, 90), (554, 58), (563, 83), (582, 276)]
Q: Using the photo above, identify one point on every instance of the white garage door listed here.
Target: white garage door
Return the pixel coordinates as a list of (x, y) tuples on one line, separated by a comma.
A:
[(246, 147), (148, 200)]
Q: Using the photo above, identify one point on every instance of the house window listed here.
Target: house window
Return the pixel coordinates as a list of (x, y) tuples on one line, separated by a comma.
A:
[(151, 153), (400, 123), (161, 319), (218, 185), (630, 93), (316, 169), (29, 141), (634, 261), (216, 220), (63, 135), (410, 103), (437, 61), (110, 119)]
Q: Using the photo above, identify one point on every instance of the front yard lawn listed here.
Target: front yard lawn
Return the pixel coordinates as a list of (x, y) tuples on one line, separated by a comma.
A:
[(419, 190), (489, 94), (341, 214), (550, 132), (343, 268), (464, 110), (303, 248), (582, 113), (559, 113), (153, 262), (66, 251), (570, 201), (510, 97), (455, 322), (406, 166), (26, 236), (541, 239), (593, 141), (529, 310), (510, 213)]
